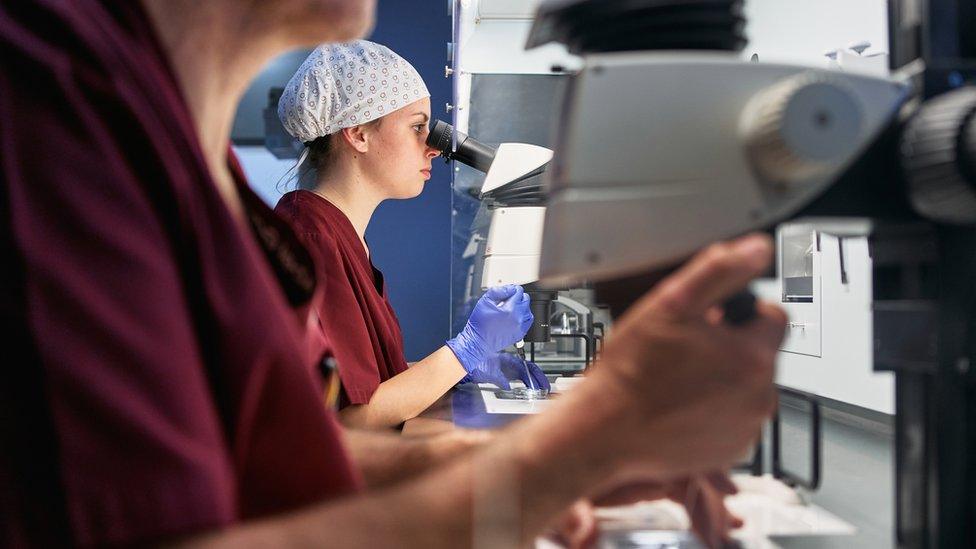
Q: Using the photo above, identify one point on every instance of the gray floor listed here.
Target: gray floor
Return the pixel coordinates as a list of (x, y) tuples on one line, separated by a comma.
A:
[(857, 475)]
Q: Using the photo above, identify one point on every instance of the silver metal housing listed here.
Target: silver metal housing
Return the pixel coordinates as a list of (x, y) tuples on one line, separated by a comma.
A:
[(653, 158)]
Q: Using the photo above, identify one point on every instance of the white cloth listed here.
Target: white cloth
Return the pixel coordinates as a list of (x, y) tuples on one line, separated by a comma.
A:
[(345, 85)]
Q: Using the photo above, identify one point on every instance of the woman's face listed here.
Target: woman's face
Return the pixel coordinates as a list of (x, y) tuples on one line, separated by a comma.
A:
[(398, 159)]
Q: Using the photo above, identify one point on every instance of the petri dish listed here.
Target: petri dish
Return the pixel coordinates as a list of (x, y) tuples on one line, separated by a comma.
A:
[(523, 393)]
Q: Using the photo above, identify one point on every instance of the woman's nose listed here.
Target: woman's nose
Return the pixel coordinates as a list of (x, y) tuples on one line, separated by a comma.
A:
[(431, 152)]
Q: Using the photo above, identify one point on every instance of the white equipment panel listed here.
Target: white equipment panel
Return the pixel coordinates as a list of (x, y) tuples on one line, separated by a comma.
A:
[(844, 368)]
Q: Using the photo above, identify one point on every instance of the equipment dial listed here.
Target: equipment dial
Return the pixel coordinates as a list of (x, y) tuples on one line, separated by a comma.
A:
[(939, 157), (800, 128)]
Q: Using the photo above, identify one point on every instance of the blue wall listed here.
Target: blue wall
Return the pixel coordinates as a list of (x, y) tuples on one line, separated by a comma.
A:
[(411, 239)]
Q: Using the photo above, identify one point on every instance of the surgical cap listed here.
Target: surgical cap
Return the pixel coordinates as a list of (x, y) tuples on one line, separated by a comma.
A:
[(345, 85)]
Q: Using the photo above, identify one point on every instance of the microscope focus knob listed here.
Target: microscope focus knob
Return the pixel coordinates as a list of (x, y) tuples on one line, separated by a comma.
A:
[(800, 128), (939, 157)]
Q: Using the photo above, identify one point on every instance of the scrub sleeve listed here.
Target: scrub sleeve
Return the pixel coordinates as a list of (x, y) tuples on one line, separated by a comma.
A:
[(355, 313)]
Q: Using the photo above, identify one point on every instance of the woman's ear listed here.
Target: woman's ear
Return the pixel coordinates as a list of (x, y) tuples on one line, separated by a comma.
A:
[(357, 138)]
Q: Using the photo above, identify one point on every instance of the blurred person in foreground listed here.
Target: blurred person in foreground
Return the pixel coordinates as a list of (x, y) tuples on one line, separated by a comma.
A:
[(166, 391)]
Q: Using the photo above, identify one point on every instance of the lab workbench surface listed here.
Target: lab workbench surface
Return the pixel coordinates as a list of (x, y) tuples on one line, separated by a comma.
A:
[(855, 489), (469, 406)]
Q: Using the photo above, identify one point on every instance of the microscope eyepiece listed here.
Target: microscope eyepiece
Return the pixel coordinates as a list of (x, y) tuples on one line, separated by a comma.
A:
[(469, 151), (440, 137)]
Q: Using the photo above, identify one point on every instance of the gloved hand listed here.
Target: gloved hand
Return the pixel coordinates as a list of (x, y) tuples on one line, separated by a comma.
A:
[(500, 318), (501, 368)]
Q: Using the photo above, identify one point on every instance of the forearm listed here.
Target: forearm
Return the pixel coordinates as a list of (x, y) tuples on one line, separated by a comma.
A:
[(408, 393), (386, 458), (500, 496), (430, 512), (390, 518)]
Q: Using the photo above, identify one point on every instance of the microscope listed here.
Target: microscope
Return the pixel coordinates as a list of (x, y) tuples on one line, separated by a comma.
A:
[(669, 141), (515, 193)]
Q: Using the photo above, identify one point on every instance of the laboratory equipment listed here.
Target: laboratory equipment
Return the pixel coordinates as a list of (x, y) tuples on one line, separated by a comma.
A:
[(680, 149), (514, 194), (513, 185)]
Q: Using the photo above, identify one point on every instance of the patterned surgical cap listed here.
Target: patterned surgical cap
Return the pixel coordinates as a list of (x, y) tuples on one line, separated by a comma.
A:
[(344, 85)]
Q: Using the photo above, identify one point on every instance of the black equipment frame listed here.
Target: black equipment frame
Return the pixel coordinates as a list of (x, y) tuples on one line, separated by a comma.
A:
[(812, 480), (925, 309), (588, 346)]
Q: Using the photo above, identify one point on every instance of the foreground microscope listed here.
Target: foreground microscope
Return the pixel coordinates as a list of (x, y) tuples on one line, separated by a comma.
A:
[(669, 141)]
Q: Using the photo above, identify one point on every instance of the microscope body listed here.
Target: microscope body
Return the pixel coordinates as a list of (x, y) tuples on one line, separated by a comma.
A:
[(667, 152), (513, 192), (666, 148)]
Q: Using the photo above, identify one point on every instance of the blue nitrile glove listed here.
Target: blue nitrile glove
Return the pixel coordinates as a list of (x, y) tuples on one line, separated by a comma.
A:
[(500, 318), (501, 368)]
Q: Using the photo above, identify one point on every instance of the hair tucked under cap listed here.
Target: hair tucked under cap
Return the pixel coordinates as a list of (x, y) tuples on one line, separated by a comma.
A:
[(345, 85)]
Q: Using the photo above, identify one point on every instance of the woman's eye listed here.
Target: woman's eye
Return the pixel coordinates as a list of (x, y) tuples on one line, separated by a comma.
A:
[(419, 128)]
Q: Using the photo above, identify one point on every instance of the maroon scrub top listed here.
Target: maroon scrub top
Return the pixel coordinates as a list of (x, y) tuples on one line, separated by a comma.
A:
[(155, 381), (355, 313)]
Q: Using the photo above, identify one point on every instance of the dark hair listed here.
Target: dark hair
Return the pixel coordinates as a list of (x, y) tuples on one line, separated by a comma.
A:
[(319, 158), (321, 155)]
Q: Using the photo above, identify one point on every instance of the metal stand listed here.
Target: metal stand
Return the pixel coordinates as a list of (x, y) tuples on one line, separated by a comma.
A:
[(587, 344), (812, 481), (925, 282)]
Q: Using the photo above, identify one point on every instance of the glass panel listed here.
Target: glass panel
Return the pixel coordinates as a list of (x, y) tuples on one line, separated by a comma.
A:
[(797, 244)]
